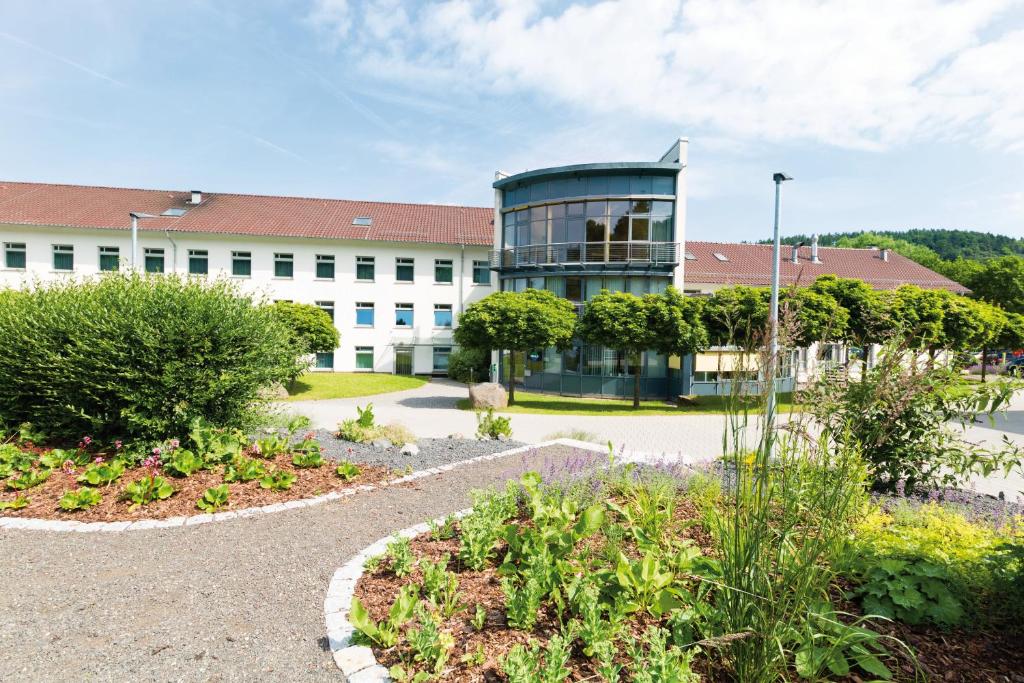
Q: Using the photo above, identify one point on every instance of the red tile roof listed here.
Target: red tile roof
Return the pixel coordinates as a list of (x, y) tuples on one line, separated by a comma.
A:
[(107, 207), (751, 264)]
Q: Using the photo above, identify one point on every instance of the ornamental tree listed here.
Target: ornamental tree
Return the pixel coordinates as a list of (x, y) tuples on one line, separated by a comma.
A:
[(312, 328), (618, 320), (676, 323), (966, 324), (818, 316), (918, 314), (1001, 282), (517, 321), (737, 315)]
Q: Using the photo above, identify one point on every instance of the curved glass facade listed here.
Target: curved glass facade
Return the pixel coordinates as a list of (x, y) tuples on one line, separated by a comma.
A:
[(575, 231)]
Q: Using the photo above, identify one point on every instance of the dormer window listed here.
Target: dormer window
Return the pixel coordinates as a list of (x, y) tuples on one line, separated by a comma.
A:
[(720, 256)]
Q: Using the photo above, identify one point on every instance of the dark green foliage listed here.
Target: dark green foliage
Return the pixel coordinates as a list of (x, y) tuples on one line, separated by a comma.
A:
[(469, 365), (909, 591), (311, 327), (136, 356), (737, 315), (945, 244)]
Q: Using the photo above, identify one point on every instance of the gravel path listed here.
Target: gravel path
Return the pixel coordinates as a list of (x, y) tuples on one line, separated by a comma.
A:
[(238, 600), (433, 452)]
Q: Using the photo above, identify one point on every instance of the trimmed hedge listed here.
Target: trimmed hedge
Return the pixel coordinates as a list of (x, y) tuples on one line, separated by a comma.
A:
[(468, 364), (137, 356)]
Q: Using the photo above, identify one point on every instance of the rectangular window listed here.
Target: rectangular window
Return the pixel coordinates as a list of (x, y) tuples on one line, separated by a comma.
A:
[(403, 315), (110, 258), (364, 358), (364, 314), (284, 265), (154, 260), (63, 257), (442, 315), (14, 255), (443, 271), (198, 262), (441, 354), (365, 268), (327, 307), (481, 273), (404, 269), (324, 267), (325, 360), (241, 263)]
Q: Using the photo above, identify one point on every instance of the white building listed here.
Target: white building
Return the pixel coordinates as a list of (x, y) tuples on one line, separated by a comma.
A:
[(394, 276)]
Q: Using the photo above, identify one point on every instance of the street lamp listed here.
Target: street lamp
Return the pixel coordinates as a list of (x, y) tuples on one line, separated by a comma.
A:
[(773, 346), (135, 233)]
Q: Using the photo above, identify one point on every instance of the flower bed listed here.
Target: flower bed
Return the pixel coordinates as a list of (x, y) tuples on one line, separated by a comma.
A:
[(221, 472)]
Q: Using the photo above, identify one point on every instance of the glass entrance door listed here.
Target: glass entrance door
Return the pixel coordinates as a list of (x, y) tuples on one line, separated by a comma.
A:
[(403, 360)]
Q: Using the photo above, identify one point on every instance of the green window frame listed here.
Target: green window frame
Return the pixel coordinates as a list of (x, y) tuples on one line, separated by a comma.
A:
[(154, 260), (324, 267), (241, 263), (443, 271), (110, 258), (325, 360), (284, 266), (364, 358), (198, 262), (14, 255), (481, 273), (365, 268), (63, 257), (405, 269)]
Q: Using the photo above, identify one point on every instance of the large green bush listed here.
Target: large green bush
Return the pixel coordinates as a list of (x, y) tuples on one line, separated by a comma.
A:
[(138, 357), (469, 365)]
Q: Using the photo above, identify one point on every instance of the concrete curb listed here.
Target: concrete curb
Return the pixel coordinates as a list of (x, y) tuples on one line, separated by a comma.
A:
[(36, 524), (357, 662)]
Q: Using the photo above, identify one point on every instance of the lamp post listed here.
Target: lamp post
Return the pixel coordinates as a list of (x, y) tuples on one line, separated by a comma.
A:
[(135, 215), (773, 345)]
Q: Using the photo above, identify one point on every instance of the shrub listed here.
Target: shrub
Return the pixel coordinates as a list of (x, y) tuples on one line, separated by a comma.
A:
[(128, 355), (469, 365), (311, 327), (491, 426)]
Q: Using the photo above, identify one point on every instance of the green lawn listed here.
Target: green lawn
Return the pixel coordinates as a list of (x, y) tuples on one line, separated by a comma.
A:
[(314, 386), (548, 404)]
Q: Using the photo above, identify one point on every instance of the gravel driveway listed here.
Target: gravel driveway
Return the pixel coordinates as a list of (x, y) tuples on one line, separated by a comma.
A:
[(239, 600)]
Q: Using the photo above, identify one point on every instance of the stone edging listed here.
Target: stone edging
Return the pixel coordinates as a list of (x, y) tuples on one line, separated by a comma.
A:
[(358, 662), (34, 523)]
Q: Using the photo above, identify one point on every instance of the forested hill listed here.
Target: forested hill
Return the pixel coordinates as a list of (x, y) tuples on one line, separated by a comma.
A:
[(948, 245)]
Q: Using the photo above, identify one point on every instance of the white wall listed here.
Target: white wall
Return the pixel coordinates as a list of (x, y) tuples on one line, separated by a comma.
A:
[(344, 290)]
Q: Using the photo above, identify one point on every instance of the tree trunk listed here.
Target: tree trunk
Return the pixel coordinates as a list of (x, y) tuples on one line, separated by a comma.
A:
[(511, 377), (636, 385), (984, 362)]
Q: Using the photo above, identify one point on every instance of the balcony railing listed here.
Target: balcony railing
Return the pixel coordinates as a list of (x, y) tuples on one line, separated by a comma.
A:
[(582, 253)]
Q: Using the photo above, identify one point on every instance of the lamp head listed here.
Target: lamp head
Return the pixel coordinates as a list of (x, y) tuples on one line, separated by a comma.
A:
[(137, 214), (781, 177)]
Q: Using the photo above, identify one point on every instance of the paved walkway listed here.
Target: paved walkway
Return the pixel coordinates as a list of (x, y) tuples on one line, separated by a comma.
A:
[(430, 411)]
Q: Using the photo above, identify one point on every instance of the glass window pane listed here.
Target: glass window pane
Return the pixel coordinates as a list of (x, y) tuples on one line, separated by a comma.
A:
[(325, 270), (364, 315), (641, 229), (662, 208), (552, 360), (539, 213), (403, 317), (443, 271), (596, 229), (571, 361), (620, 229), (325, 360), (597, 208), (14, 255), (574, 288), (641, 206), (198, 265), (663, 185), (364, 358), (441, 354), (442, 316), (661, 229), (365, 267), (539, 232), (481, 273), (283, 268)]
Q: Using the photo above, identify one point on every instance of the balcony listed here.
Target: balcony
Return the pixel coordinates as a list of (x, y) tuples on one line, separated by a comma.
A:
[(568, 255)]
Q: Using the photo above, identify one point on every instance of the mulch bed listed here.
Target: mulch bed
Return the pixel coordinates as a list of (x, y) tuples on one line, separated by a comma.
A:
[(310, 482)]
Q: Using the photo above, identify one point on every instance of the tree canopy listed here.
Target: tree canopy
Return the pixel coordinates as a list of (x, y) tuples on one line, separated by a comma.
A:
[(618, 320), (311, 327)]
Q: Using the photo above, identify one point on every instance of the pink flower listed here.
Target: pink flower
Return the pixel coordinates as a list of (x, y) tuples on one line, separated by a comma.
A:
[(98, 459), (68, 467), (152, 462), (87, 440), (118, 444), (156, 451), (256, 449), (174, 444)]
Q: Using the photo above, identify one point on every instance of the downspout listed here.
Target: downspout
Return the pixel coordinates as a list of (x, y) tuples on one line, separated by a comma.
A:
[(174, 251)]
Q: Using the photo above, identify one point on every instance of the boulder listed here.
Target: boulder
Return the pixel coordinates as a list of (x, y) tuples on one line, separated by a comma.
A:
[(381, 444), (274, 392), (410, 449), (488, 395)]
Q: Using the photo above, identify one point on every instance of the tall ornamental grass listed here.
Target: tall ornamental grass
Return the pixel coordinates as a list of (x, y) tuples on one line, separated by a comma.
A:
[(137, 356)]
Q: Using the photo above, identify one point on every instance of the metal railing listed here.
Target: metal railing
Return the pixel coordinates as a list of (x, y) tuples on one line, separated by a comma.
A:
[(562, 253)]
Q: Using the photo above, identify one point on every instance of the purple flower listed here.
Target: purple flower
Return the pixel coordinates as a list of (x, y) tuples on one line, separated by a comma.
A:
[(152, 462)]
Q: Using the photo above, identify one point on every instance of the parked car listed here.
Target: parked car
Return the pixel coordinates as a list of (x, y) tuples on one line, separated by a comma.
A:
[(1014, 367)]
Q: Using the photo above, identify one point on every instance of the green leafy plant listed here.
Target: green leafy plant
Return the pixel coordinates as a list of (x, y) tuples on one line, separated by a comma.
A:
[(242, 468), (147, 490), (372, 563), (827, 644), (655, 661), (491, 426), (351, 430), (444, 530), (347, 470), (911, 592), (214, 498), (385, 633), (534, 665), (183, 463), (481, 529), (399, 554), (102, 473), (270, 446), (522, 600), (475, 658), (79, 499), (366, 418), (479, 618), (440, 585), (308, 459), (430, 645), (17, 503), (277, 480), (215, 445), (27, 480)]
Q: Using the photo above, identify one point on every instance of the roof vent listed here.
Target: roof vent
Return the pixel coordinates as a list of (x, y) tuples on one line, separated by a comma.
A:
[(883, 254), (174, 213), (197, 197), (814, 249), (795, 256), (720, 256), (688, 255), (362, 220)]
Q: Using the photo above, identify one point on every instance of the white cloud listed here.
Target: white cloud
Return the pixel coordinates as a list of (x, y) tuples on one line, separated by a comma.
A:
[(854, 75)]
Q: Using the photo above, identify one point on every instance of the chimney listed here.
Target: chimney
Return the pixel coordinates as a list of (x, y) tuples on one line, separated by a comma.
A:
[(197, 197), (884, 255), (795, 258), (814, 249)]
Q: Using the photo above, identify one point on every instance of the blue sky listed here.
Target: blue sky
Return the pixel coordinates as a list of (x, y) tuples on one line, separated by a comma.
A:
[(911, 117)]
